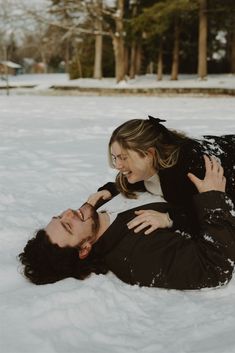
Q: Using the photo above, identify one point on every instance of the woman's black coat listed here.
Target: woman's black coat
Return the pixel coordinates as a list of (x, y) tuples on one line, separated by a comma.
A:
[(177, 189)]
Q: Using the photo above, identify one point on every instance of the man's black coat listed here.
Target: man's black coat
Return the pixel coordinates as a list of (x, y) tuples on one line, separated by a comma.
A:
[(170, 258)]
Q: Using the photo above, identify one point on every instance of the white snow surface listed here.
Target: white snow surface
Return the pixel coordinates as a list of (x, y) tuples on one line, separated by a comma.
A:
[(53, 154), (44, 81)]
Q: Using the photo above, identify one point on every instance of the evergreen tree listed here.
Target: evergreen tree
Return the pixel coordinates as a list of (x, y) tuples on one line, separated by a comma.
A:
[(160, 21), (221, 17)]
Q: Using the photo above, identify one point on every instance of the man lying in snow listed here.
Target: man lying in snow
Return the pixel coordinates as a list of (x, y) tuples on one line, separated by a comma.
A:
[(79, 242)]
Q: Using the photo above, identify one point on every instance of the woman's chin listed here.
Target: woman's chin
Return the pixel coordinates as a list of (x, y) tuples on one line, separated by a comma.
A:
[(131, 179)]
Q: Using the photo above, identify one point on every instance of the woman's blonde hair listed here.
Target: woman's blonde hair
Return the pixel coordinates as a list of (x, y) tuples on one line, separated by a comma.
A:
[(141, 134)]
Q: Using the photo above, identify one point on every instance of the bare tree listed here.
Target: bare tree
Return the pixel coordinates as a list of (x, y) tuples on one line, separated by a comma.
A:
[(118, 42), (202, 40), (74, 20), (160, 60), (133, 56), (175, 55), (232, 60), (98, 40)]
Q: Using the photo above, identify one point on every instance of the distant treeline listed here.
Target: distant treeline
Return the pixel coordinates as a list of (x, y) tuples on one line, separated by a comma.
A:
[(124, 38)]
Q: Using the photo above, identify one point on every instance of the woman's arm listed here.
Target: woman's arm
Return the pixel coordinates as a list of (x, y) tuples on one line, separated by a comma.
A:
[(104, 194), (207, 260), (111, 187), (151, 220)]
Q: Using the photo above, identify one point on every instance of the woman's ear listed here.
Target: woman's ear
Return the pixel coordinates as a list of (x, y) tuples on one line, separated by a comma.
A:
[(85, 251), (151, 151)]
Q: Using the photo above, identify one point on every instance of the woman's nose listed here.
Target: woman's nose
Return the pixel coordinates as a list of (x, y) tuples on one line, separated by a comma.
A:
[(119, 164)]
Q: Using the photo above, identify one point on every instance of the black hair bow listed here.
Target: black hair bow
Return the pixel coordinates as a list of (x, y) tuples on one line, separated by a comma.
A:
[(159, 128), (155, 120)]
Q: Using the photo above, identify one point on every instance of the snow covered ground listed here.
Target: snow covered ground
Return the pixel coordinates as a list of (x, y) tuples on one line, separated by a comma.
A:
[(44, 81), (53, 155)]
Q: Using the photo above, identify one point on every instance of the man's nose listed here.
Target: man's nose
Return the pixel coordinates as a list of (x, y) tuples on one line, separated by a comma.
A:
[(67, 214)]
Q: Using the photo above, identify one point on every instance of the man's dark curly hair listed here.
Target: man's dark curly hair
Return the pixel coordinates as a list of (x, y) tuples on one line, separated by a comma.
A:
[(45, 262)]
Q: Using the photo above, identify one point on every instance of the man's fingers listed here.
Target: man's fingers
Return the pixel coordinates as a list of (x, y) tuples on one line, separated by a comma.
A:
[(221, 171), (214, 164), (224, 181), (196, 181), (217, 168), (208, 163)]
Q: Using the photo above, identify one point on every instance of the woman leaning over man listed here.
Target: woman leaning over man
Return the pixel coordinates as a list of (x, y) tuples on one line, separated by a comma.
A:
[(148, 156)]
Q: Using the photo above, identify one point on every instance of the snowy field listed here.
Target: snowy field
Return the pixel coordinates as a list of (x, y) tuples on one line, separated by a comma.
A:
[(42, 82), (53, 155)]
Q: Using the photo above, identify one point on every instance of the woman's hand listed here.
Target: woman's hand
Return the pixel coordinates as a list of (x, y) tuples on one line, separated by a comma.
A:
[(94, 198), (151, 219), (214, 178)]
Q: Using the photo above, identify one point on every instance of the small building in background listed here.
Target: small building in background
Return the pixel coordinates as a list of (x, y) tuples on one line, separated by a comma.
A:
[(28, 64), (10, 68), (33, 67), (40, 68)]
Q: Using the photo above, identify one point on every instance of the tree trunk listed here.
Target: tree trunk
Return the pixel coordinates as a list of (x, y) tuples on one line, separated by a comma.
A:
[(98, 74), (66, 57), (44, 61), (138, 58), (160, 61), (133, 46), (133, 60), (202, 41), (118, 46), (79, 65), (98, 42), (232, 53), (126, 60), (175, 56), (118, 43)]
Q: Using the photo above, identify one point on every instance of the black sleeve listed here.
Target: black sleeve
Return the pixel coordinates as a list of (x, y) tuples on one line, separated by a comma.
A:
[(181, 220), (111, 187), (177, 188), (190, 161), (208, 260)]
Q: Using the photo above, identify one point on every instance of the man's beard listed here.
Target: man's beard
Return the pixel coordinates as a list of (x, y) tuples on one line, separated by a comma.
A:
[(94, 216), (95, 219)]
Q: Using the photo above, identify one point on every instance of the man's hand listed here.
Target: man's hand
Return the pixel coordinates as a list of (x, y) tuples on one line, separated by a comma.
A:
[(149, 219), (214, 178), (94, 198)]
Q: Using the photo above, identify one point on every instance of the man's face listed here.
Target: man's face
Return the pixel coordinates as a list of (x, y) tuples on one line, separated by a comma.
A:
[(74, 228)]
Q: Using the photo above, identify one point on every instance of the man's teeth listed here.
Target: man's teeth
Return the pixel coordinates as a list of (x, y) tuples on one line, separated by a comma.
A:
[(125, 173), (80, 214)]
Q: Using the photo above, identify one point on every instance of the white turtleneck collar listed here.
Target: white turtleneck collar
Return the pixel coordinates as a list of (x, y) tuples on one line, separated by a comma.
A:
[(153, 185)]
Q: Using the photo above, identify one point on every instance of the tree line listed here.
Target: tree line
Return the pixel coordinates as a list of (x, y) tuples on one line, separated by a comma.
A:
[(125, 38)]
